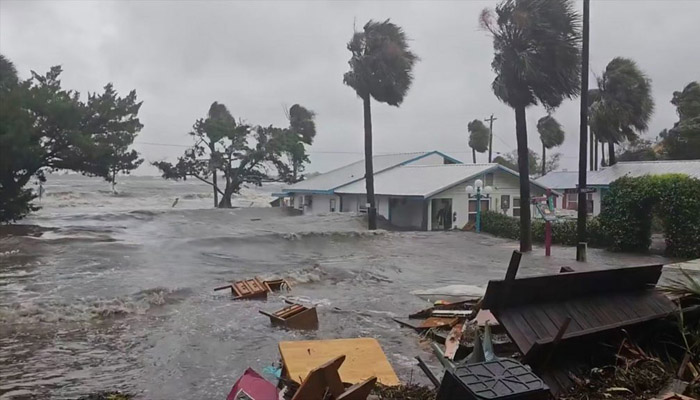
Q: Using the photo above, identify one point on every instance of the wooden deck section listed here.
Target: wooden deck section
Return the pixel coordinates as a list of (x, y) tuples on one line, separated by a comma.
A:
[(364, 358), (534, 309)]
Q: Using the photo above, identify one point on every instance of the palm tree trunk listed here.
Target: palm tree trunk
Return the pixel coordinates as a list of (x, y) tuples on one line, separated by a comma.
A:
[(611, 153), (473, 155), (544, 158), (369, 168), (524, 172), (602, 153)]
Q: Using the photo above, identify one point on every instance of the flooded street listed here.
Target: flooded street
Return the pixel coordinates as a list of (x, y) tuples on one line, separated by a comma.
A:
[(117, 291)]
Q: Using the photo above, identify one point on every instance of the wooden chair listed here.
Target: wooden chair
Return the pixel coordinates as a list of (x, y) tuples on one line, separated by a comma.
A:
[(326, 378)]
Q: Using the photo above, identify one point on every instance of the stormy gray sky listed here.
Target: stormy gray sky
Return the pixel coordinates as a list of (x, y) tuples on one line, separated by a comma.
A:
[(256, 57)]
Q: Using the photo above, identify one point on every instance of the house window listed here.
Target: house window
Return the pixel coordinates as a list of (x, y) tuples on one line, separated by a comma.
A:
[(572, 201), (488, 180), (332, 204), (485, 206), (516, 206), (505, 202)]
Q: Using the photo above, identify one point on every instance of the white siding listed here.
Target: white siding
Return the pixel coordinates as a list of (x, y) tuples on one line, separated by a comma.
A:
[(503, 184)]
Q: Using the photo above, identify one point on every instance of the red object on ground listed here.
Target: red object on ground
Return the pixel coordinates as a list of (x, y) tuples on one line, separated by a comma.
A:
[(252, 386)]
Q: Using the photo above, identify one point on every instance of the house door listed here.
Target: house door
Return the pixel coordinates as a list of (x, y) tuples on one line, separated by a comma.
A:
[(441, 214)]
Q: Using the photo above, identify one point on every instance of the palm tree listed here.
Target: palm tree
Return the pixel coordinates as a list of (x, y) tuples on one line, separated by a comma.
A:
[(536, 61), (551, 135), (622, 105), (381, 67), (478, 137)]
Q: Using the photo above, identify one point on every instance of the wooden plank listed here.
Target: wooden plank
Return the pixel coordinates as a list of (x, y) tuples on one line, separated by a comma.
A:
[(364, 359), (436, 322), (556, 287)]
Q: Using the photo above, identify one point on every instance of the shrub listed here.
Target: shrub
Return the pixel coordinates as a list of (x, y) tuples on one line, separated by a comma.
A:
[(631, 203), (563, 232)]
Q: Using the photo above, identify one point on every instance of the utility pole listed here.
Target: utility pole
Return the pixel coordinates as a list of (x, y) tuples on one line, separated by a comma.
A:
[(490, 119), (583, 148)]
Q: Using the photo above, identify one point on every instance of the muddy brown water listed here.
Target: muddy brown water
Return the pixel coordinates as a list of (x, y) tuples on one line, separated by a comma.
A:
[(116, 293)]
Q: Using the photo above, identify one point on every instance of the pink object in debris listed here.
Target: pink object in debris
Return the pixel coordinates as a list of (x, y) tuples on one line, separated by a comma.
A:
[(252, 386)]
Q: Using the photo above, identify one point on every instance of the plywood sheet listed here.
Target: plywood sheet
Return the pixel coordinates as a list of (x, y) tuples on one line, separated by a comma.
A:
[(363, 358)]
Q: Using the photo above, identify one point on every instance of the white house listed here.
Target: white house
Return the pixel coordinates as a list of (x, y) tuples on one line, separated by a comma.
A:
[(413, 192), (567, 181)]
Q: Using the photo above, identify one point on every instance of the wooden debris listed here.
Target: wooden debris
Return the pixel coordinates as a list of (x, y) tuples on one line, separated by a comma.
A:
[(452, 343), (246, 289), (326, 378), (459, 305), (294, 316), (364, 358), (484, 316), (438, 322)]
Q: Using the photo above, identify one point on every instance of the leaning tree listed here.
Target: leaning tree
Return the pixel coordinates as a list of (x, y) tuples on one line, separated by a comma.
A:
[(478, 137), (537, 61), (622, 105), (381, 68), (551, 135)]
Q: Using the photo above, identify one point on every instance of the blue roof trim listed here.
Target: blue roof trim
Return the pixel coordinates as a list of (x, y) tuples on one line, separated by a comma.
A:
[(307, 191)]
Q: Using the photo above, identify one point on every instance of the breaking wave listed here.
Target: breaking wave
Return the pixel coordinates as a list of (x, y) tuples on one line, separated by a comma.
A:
[(87, 310)]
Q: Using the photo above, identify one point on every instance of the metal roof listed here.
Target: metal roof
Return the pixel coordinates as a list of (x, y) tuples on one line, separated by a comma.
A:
[(559, 179), (422, 180), (605, 176), (356, 171)]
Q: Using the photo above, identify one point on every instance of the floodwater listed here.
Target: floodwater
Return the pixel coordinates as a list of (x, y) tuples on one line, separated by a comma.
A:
[(116, 293)]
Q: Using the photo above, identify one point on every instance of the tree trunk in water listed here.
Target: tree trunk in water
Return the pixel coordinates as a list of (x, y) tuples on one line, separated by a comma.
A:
[(611, 153), (226, 197), (544, 158), (369, 168), (524, 172), (212, 168), (602, 153), (473, 155)]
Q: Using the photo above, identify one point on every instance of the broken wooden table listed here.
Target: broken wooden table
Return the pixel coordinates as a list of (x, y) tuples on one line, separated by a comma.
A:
[(326, 378), (294, 316), (364, 359)]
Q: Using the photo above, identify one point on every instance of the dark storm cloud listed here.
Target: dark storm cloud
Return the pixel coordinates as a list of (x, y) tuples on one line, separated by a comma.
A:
[(258, 56)]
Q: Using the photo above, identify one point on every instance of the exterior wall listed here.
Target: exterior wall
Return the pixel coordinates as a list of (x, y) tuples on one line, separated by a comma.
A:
[(320, 203), (597, 200), (503, 184)]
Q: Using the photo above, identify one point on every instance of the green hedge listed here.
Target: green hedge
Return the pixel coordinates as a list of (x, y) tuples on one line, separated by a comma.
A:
[(563, 232), (631, 203)]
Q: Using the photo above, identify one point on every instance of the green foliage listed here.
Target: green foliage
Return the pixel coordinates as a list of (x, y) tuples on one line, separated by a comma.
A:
[(622, 105), (628, 207), (510, 160), (478, 136), (682, 142), (563, 231), (638, 150), (241, 153), (301, 132), (537, 55), (381, 65), (44, 127), (551, 133)]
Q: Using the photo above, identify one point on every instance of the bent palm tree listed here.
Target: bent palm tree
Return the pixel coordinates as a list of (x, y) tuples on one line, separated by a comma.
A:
[(381, 68), (478, 137), (622, 105), (551, 135), (536, 61)]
